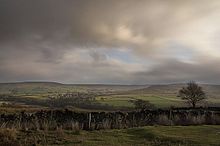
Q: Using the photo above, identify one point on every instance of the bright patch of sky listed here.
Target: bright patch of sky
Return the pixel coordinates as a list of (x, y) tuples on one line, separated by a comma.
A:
[(181, 52)]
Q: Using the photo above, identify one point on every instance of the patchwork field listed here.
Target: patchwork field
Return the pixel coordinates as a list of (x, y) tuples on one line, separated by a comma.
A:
[(117, 96)]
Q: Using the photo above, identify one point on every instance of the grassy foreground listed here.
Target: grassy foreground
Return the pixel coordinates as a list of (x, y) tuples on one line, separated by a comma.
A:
[(144, 136)]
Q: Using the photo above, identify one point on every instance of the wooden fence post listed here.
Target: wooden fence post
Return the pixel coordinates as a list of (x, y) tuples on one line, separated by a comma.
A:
[(89, 121)]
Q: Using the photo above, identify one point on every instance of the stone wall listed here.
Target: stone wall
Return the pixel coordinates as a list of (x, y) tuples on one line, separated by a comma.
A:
[(67, 119)]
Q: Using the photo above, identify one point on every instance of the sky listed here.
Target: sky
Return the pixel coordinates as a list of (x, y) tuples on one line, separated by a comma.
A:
[(110, 41)]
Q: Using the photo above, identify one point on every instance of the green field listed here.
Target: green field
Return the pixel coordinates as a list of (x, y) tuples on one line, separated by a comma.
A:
[(124, 100), (118, 96), (159, 101), (145, 136)]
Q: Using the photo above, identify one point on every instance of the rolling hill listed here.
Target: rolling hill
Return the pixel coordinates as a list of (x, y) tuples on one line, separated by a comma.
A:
[(54, 87), (114, 95), (212, 91)]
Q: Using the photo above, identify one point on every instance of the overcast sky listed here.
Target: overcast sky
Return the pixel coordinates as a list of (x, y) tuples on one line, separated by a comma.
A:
[(110, 41)]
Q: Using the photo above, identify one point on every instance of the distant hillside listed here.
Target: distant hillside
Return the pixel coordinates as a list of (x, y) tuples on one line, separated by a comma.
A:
[(53, 87), (172, 90), (113, 95)]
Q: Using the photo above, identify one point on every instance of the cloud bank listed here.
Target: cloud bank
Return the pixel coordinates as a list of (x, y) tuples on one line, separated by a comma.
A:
[(116, 42)]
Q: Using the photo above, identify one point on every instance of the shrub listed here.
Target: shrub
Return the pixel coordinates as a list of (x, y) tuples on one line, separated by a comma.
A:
[(8, 137)]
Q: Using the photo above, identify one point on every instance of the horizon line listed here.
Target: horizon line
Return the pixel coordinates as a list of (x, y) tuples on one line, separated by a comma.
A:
[(113, 84)]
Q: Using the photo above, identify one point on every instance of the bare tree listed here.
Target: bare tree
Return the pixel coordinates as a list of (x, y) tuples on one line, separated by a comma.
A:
[(193, 93)]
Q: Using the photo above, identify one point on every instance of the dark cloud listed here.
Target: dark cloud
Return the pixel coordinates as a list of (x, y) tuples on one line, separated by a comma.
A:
[(78, 40), (176, 71)]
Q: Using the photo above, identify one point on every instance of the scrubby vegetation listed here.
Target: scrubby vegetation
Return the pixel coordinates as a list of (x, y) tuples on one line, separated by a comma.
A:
[(142, 104), (145, 136), (8, 137)]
